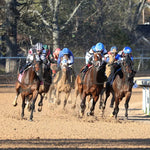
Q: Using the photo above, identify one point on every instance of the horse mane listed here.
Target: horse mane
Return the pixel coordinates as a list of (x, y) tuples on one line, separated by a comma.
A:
[(128, 61), (120, 68)]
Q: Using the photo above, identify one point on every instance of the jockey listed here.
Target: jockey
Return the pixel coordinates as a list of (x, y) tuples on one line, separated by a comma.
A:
[(113, 57), (56, 53), (55, 58), (99, 47), (39, 48), (89, 54), (126, 50), (66, 51), (70, 62), (29, 60)]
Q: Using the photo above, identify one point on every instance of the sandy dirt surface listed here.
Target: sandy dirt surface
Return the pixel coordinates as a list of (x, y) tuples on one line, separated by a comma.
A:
[(55, 128)]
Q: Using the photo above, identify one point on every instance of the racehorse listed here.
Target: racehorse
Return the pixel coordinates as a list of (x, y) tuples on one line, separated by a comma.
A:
[(62, 82), (28, 87), (121, 86), (91, 84)]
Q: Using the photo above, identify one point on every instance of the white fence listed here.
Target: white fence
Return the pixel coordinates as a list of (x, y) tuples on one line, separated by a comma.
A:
[(145, 83)]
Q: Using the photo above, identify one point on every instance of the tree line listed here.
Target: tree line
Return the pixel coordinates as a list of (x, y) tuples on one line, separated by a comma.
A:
[(76, 24)]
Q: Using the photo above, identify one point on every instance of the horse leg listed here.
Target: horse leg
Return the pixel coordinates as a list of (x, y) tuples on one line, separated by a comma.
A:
[(35, 94), (57, 97), (66, 98), (127, 104), (28, 101), (17, 94), (40, 104), (15, 101), (116, 109), (101, 98), (93, 105), (52, 87), (82, 105), (45, 96), (112, 100), (106, 92), (23, 105), (76, 95)]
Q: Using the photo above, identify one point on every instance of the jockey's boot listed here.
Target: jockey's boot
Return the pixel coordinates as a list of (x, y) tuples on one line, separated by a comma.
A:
[(105, 78), (85, 69), (24, 67)]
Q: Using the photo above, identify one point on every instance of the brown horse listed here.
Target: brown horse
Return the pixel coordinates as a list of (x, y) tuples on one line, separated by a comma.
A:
[(121, 86), (91, 84), (61, 83), (28, 87)]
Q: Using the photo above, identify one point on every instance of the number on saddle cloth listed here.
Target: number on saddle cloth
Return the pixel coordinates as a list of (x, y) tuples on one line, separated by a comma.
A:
[(64, 62)]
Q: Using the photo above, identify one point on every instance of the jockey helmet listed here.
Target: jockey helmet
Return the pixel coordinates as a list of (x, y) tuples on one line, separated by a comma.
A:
[(45, 47), (113, 49), (127, 50), (57, 50), (99, 47), (93, 48), (65, 51), (39, 46)]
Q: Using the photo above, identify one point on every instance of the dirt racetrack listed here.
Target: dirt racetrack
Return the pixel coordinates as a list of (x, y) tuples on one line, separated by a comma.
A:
[(55, 128)]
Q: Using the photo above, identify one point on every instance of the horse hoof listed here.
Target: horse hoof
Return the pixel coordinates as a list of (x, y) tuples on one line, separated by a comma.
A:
[(51, 101), (81, 114), (90, 114), (58, 102), (73, 107), (111, 115), (39, 109), (111, 106), (14, 104)]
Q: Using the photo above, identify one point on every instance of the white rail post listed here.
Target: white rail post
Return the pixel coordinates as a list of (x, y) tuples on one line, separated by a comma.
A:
[(144, 100), (147, 100)]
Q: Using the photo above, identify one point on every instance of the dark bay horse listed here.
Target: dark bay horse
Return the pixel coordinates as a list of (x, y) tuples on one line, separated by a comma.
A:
[(91, 84), (47, 80), (28, 87), (121, 86)]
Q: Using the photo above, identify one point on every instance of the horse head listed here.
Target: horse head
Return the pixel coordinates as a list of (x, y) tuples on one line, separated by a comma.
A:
[(127, 66), (36, 65), (97, 61), (64, 63)]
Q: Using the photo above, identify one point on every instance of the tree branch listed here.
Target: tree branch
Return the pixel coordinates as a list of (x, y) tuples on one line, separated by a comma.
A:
[(42, 18), (51, 4), (72, 14)]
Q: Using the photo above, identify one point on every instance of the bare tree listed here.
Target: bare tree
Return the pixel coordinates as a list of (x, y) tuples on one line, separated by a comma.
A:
[(11, 33), (52, 26)]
